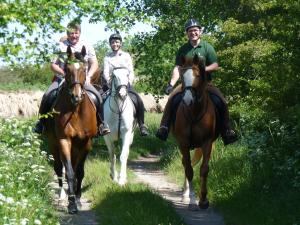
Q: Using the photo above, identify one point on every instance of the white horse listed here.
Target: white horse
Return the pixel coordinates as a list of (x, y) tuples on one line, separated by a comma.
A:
[(119, 114)]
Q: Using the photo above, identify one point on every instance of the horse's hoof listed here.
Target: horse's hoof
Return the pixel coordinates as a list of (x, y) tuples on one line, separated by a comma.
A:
[(78, 203), (193, 207), (122, 182), (185, 199), (204, 204), (72, 207)]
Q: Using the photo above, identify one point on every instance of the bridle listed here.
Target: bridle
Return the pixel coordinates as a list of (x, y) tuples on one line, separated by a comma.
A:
[(116, 96), (70, 86), (115, 90), (198, 98)]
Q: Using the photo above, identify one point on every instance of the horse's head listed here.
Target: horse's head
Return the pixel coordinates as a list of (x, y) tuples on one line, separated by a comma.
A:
[(193, 79), (120, 80), (75, 70)]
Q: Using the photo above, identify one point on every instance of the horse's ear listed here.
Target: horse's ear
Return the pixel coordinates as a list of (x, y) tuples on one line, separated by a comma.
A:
[(202, 68), (69, 51), (83, 51)]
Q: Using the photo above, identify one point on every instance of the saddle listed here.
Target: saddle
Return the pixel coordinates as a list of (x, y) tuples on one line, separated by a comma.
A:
[(217, 101), (106, 92)]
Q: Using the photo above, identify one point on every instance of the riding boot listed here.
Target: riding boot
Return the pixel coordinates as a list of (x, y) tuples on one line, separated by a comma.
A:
[(228, 134), (103, 127), (39, 126), (141, 117), (163, 131), (140, 110)]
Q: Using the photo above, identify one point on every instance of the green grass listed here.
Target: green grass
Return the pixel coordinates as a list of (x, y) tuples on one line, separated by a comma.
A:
[(243, 192), (240, 193), (133, 204)]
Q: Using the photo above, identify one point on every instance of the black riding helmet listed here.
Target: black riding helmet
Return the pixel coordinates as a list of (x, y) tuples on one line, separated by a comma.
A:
[(115, 36), (191, 23)]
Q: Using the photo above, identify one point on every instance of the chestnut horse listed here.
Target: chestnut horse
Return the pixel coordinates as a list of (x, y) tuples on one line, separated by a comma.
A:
[(195, 126), (70, 130)]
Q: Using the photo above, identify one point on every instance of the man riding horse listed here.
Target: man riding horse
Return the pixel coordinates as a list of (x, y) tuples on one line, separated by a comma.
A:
[(57, 66), (116, 59), (204, 50)]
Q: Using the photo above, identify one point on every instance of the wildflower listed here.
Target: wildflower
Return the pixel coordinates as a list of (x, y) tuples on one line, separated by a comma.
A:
[(24, 221), (10, 200), (37, 222)]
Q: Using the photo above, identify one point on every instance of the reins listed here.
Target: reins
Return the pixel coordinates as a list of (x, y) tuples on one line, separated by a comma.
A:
[(121, 107)]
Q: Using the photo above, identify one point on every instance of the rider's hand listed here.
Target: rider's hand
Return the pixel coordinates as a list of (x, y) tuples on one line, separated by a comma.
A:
[(88, 80), (169, 89)]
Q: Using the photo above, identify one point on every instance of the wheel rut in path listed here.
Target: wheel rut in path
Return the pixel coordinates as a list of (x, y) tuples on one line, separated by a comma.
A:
[(147, 172)]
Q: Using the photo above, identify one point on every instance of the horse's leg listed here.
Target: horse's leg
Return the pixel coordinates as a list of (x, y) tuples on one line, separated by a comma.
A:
[(189, 173), (127, 140), (66, 158), (58, 168), (112, 158), (195, 159), (204, 169), (79, 177)]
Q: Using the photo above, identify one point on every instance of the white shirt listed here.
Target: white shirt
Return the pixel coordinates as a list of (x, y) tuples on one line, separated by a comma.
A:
[(119, 59)]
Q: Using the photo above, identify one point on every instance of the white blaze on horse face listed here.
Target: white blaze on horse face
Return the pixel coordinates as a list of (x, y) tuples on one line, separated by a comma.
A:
[(76, 66), (188, 80), (121, 79), (122, 76)]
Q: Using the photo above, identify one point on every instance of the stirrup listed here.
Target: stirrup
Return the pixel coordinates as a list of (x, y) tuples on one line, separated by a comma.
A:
[(144, 130), (38, 128), (229, 137), (103, 129)]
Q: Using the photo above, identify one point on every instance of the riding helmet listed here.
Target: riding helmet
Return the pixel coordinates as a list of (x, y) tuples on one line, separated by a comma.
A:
[(191, 23), (115, 36)]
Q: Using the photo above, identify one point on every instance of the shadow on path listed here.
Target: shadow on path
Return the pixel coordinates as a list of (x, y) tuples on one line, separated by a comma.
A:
[(147, 171)]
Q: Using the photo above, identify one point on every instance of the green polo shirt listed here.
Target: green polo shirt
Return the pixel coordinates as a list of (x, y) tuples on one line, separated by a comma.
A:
[(204, 50)]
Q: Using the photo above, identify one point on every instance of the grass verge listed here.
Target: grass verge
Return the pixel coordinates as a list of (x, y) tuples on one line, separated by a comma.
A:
[(25, 197)]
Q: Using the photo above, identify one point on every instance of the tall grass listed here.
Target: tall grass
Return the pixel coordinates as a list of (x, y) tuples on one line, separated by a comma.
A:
[(25, 197), (244, 192), (239, 190)]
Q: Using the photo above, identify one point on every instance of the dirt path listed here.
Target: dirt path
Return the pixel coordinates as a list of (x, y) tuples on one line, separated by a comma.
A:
[(85, 215), (146, 171)]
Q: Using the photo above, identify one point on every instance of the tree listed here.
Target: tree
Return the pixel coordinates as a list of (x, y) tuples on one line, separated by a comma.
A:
[(21, 20)]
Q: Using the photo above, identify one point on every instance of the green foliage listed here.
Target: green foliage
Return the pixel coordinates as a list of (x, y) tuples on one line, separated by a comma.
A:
[(27, 26), (26, 77), (25, 197)]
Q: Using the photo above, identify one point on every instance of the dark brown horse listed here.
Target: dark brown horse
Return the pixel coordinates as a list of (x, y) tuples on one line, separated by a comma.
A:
[(72, 127), (195, 126)]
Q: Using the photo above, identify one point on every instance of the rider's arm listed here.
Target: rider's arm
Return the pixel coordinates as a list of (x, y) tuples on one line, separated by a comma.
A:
[(106, 74), (130, 68), (56, 69), (93, 63), (175, 75), (212, 67)]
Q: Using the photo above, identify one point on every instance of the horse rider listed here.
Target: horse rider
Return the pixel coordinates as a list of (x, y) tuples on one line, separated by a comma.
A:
[(57, 66), (119, 58), (203, 49)]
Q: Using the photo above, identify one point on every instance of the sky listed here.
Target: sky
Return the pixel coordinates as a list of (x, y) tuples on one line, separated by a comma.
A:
[(92, 33)]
